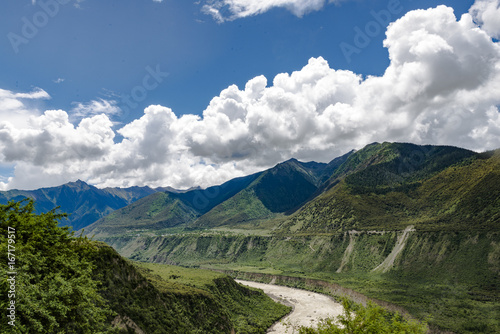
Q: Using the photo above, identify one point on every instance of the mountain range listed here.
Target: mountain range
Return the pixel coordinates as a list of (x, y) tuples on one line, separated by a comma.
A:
[(83, 203), (388, 185), (414, 225), (384, 186)]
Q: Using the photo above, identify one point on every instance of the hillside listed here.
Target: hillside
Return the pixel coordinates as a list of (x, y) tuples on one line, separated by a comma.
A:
[(84, 203), (278, 190), (446, 188), (185, 300), (249, 199), (164, 210), (73, 285), (153, 213)]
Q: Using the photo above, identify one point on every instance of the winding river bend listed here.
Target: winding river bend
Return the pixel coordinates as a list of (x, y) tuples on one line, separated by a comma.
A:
[(308, 307)]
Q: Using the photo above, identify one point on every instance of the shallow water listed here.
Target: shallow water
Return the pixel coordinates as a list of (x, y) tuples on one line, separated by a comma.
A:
[(308, 307)]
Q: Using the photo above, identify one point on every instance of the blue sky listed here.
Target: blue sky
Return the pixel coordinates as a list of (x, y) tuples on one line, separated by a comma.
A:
[(118, 57), (104, 47)]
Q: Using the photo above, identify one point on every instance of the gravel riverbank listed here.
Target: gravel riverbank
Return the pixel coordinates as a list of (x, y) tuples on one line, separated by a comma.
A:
[(308, 307)]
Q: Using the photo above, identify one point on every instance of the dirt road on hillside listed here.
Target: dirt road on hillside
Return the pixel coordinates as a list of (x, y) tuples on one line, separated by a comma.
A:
[(308, 307)]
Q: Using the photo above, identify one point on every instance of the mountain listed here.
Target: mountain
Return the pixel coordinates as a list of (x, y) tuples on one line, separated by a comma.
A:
[(413, 226), (393, 185), (382, 185), (84, 203), (278, 190), (253, 198), (167, 209)]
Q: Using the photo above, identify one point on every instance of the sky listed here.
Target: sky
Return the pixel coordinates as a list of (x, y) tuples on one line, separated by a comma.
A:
[(122, 93)]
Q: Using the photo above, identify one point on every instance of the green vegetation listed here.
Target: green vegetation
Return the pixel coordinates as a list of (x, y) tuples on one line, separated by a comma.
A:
[(373, 319), (67, 284), (132, 295), (155, 212), (458, 307), (54, 288), (241, 208), (249, 309)]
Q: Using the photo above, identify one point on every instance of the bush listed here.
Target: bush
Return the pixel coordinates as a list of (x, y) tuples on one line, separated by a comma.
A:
[(54, 289), (372, 319)]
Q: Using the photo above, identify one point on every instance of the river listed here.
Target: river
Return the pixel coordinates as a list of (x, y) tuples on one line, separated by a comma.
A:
[(308, 307)]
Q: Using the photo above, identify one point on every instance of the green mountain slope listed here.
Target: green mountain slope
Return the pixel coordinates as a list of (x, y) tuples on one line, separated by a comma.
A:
[(280, 189), (381, 187), (332, 167), (154, 212), (84, 203), (168, 209), (168, 299)]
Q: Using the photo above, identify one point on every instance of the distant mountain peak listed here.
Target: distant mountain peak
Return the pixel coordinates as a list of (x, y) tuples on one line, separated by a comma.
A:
[(79, 184)]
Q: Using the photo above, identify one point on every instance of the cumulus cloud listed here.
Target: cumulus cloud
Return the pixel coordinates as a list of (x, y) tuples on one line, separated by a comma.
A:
[(17, 107), (442, 86), (486, 13), (228, 10)]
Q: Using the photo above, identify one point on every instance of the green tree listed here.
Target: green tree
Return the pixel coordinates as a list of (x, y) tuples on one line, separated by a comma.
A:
[(371, 319), (54, 289)]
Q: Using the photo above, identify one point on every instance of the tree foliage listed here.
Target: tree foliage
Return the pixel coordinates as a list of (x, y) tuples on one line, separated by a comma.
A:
[(55, 292), (371, 319)]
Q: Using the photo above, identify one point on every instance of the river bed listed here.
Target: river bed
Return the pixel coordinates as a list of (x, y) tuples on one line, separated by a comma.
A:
[(308, 307)]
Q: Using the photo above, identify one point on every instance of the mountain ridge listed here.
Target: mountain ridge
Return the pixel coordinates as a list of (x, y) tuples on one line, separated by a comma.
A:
[(84, 203), (283, 196)]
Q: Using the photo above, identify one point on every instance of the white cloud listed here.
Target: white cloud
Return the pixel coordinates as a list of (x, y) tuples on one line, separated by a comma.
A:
[(228, 10), (442, 87), (95, 107), (51, 148), (486, 13), (18, 107)]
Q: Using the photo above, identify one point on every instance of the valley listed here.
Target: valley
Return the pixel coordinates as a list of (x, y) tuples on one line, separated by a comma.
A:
[(413, 226), (415, 229)]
